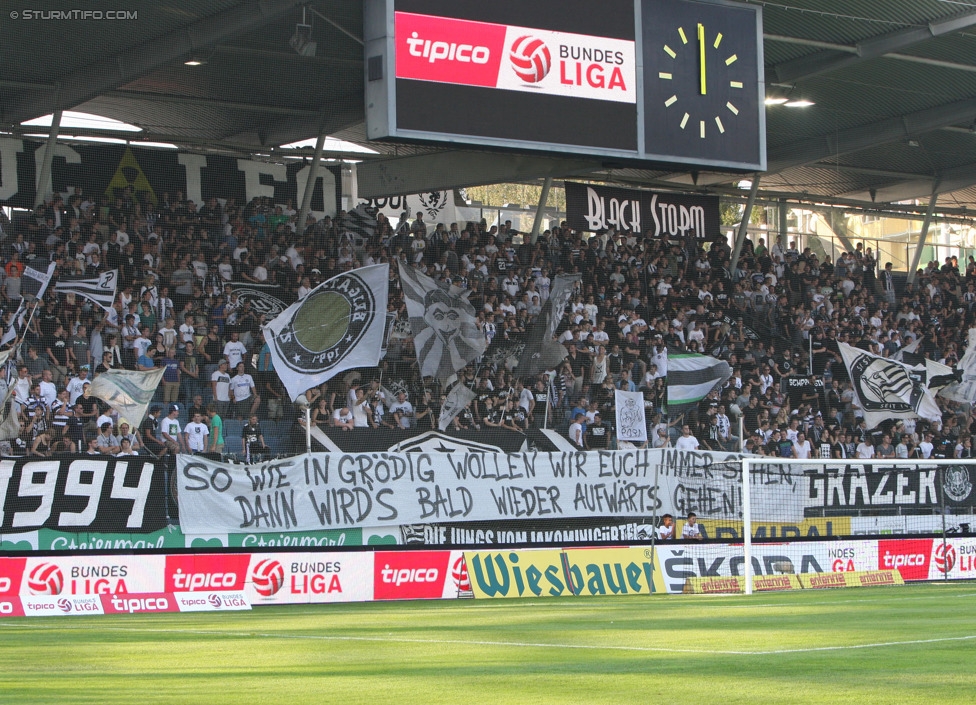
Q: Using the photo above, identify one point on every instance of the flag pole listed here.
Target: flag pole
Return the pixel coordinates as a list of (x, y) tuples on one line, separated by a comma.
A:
[(23, 332), (308, 429)]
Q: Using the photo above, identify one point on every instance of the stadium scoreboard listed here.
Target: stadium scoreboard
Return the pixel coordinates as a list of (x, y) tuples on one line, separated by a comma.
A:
[(665, 81)]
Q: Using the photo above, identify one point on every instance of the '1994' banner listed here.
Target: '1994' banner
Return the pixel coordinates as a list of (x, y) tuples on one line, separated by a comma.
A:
[(82, 494)]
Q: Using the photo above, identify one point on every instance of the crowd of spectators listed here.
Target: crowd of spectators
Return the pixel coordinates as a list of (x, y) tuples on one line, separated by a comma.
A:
[(776, 318)]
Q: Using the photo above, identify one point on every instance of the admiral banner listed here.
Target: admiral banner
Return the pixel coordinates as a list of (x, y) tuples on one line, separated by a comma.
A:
[(81, 494), (110, 169), (654, 214), (323, 491)]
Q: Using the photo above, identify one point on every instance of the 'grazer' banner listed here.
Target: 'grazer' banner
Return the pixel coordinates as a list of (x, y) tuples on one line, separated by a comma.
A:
[(656, 214), (82, 493), (109, 169), (382, 489)]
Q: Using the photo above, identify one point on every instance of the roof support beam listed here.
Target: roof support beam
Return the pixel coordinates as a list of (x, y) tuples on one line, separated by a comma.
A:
[(43, 186), (740, 238), (209, 103), (313, 176), (950, 180), (831, 60), (872, 134), (922, 237), (448, 170), (117, 69)]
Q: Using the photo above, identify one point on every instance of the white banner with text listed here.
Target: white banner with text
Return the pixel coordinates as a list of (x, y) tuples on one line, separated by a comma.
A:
[(334, 490)]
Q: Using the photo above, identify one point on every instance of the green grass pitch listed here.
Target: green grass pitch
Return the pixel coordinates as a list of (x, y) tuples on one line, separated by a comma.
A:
[(913, 644)]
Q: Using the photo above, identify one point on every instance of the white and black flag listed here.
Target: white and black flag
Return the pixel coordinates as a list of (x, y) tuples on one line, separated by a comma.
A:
[(33, 283), (541, 351), (458, 396), (337, 327), (99, 290), (444, 325), (17, 324), (361, 222), (886, 389)]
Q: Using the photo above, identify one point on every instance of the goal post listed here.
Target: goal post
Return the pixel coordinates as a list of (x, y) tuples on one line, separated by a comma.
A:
[(801, 517)]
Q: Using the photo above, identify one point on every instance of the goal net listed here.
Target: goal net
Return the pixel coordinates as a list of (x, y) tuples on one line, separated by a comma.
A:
[(792, 518)]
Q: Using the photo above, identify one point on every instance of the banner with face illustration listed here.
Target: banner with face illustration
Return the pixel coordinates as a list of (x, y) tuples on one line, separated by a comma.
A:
[(443, 323)]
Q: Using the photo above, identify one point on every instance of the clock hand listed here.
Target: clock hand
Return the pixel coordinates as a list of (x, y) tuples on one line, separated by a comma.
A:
[(701, 58)]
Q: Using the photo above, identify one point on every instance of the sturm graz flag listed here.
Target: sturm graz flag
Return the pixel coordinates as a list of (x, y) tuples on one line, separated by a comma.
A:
[(885, 389), (337, 327)]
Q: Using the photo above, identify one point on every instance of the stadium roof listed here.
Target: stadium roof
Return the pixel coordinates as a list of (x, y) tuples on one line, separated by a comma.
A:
[(893, 86)]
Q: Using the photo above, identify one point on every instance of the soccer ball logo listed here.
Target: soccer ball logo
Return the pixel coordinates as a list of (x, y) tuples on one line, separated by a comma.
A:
[(214, 600), (64, 604), (459, 572), (268, 577), (945, 557), (530, 59), (45, 579)]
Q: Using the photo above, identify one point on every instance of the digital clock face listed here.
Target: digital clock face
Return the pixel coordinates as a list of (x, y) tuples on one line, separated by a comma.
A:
[(702, 82)]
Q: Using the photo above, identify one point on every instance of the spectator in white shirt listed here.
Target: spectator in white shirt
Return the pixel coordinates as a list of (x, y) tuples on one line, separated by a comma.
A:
[(234, 351), (686, 441), (195, 435), (244, 394)]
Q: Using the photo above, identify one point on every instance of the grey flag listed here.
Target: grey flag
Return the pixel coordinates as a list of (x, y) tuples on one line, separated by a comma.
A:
[(444, 325), (541, 351)]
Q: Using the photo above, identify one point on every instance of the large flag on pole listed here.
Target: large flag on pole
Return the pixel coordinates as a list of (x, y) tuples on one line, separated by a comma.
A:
[(445, 333), (34, 283), (457, 398), (16, 327), (541, 351), (99, 290), (631, 422), (9, 418), (964, 389), (691, 377), (128, 392), (337, 327), (885, 389)]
